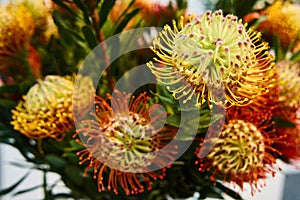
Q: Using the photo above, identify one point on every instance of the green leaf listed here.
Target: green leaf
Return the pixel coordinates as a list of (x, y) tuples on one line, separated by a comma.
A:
[(107, 5), (90, 36), (11, 188), (61, 4), (27, 190), (60, 22), (126, 19), (56, 162), (9, 89), (8, 103), (228, 191), (85, 11), (74, 174), (62, 196), (296, 56)]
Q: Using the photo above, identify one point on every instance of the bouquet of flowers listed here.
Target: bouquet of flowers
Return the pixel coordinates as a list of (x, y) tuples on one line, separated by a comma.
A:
[(142, 100)]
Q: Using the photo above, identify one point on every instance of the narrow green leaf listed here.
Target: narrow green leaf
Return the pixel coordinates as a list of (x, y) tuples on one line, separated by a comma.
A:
[(296, 56), (90, 36), (74, 174), (85, 11), (56, 162), (21, 165), (228, 191), (126, 19), (107, 5), (27, 190), (60, 22), (11, 188), (9, 89), (62, 195), (61, 4), (8, 103), (80, 5)]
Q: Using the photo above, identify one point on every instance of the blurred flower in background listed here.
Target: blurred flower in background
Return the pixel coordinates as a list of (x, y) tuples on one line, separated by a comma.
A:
[(16, 30)]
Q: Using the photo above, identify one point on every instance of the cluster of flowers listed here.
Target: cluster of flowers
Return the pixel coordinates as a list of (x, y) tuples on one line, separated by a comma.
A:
[(205, 57)]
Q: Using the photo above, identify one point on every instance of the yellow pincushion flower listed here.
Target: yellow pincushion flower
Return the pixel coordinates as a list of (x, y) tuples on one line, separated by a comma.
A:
[(212, 54), (289, 83), (283, 20), (44, 24), (47, 109), (240, 153), (16, 29)]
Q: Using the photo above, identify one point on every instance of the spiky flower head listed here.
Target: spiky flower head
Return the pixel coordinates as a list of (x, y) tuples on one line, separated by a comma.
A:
[(283, 20), (289, 134), (47, 109), (289, 83), (124, 142), (210, 54), (242, 152), (43, 20), (16, 29)]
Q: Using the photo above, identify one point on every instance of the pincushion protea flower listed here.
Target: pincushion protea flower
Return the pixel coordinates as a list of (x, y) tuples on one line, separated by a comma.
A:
[(289, 144), (44, 24), (210, 54), (16, 30), (124, 142), (242, 152), (283, 20), (47, 109), (151, 12), (288, 80)]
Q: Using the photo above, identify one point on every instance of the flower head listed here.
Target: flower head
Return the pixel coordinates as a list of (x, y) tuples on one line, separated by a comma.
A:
[(123, 141), (153, 12), (289, 143), (242, 152), (16, 29), (44, 24), (289, 83), (47, 109), (283, 20), (210, 54)]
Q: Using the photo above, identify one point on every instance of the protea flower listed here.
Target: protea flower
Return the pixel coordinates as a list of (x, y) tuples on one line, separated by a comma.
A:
[(288, 80), (47, 109), (16, 29), (289, 143), (283, 20), (44, 24), (122, 141), (213, 54), (151, 12), (242, 152)]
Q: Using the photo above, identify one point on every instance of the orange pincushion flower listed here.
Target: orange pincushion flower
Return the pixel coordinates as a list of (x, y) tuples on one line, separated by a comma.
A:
[(289, 144), (213, 54), (124, 143), (242, 152), (283, 20)]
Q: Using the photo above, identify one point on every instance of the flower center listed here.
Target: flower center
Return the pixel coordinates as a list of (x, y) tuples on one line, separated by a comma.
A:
[(131, 142), (240, 148), (212, 48)]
